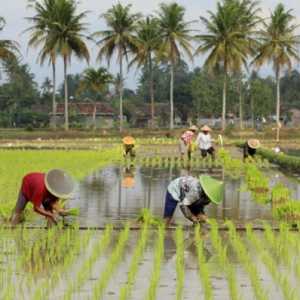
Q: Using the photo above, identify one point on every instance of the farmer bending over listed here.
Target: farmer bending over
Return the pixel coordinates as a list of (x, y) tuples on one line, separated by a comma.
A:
[(250, 148), (128, 146), (43, 191), (186, 142), (193, 195)]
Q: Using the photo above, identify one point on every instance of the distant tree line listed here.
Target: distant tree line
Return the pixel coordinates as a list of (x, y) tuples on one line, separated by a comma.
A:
[(235, 40)]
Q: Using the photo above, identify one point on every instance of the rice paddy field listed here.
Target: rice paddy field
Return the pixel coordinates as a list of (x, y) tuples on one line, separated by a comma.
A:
[(118, 246)]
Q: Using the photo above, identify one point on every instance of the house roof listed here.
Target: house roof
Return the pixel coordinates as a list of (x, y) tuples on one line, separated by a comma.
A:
[(144, 110), (84, 108)]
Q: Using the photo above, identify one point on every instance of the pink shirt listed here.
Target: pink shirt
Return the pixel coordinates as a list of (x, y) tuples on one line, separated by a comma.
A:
[(187, 137)]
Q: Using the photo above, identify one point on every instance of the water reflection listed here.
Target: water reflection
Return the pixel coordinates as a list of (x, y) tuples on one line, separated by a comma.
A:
[(116, 194)]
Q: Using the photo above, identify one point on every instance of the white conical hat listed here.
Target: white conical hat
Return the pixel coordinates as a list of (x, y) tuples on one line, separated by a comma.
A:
[(59, 183)]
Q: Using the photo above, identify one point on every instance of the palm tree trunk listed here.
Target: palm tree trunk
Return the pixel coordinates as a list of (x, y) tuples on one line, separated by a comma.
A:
[(151, 90), (54, 95), (252, 111), (172, 96), (277, 102), (224, 102), (121, 92), (66, 94), (241, 105)]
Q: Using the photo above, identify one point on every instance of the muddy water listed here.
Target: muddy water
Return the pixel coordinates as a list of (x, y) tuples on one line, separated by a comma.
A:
[(116, 194)]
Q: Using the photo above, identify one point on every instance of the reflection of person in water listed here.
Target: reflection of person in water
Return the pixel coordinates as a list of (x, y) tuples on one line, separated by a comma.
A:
[(128, 177)]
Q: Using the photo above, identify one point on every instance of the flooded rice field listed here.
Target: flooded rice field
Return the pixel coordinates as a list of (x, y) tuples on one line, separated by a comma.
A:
[(110, 264), (116, 194)]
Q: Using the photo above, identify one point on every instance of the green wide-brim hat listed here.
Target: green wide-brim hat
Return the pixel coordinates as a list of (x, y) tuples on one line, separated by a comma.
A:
[(213, 188)]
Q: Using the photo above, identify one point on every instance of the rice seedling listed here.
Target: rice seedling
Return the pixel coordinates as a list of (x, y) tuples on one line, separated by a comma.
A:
[(156, 269), (111, 264), (226, 267), (179, 240), (272, 266), (85, 268), (247, 263), (203, 266), (257, 183), (134, 265)]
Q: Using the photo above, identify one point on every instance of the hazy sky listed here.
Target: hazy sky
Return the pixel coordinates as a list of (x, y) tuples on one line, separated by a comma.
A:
[(15, 12)]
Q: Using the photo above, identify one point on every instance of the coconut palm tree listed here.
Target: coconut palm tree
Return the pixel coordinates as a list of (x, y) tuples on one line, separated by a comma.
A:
[(8, 48), (40, 32), (95, 80), (175, 39), (148, 38), (67, 37), (278, 45), (119, 39), (229, 40)]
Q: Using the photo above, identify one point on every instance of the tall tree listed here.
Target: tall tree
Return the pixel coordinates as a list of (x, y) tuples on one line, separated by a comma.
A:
[(175, 39), (278, 45), (40, 34), (67, 38), (229, 40), (148, 39), (119, 39), (97, 81), (8, 48)]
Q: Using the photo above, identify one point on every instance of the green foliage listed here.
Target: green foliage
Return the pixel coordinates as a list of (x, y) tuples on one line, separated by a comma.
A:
[(283, 160)]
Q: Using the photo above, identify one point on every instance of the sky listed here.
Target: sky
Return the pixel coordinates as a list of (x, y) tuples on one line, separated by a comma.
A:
[(16, 11)]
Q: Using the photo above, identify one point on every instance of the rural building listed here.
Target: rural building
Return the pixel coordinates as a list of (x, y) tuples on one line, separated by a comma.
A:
[(86, 115), (142, 116), (295, 117)]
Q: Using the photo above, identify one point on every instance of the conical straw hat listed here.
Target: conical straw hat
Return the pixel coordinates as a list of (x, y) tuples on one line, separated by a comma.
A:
[(128, 140), (213, 188), (193, 128), (254, 143), (205, 128), (59, 183)]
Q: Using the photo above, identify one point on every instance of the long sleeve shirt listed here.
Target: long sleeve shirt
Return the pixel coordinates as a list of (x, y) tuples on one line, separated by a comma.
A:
[(204, 141), (186, 190)]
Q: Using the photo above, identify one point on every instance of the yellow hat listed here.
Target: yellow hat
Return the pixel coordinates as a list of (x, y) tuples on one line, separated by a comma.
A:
[(253, 143), (205, 128), (128, 140), (193, 128), (128, 182)]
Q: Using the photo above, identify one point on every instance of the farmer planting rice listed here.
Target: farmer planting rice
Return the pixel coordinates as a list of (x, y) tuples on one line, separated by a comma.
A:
[(186, 142), (204, 142), (43, 191), (128, 147), (250, 148), (193, 195)]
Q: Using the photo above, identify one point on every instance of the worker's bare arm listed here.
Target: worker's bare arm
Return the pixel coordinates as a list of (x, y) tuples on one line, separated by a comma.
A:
[(45, 213), (188, 214)]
